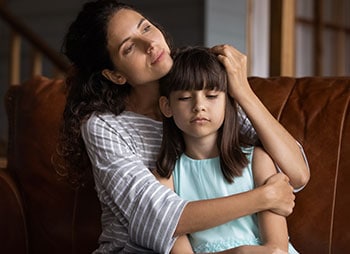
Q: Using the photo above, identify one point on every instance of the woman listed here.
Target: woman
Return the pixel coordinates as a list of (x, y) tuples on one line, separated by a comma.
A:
[(112, 115)]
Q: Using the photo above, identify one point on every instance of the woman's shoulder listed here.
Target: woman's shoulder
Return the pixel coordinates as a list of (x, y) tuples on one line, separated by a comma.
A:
[(126, 117), (125, 122)]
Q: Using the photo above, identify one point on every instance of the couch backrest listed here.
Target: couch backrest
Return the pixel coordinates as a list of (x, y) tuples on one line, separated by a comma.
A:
[(316, 112), (61, 220)]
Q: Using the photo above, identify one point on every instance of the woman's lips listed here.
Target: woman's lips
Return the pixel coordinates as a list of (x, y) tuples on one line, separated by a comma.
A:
[(157, 57)]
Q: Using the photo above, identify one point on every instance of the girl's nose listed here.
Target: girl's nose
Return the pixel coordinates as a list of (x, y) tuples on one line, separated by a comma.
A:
[(198, 106)]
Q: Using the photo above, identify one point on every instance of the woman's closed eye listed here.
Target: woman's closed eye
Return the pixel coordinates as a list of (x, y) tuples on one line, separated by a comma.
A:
[(128, 48), (146, 28)]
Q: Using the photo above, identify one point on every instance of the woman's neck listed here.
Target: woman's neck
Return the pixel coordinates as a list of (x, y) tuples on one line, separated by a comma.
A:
[(144, 100)]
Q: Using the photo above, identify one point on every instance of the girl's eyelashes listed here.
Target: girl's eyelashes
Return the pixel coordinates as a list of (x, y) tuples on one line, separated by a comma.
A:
[(184, 98), (182, 95), (212, 96)]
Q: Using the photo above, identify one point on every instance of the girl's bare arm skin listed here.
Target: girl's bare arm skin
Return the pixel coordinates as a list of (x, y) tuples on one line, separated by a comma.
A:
[(277, 141)]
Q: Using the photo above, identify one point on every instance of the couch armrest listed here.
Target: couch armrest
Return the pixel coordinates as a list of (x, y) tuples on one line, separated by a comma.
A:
[(13, 233)]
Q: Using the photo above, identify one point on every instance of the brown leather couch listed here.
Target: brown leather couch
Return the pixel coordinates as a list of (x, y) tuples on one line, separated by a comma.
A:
[(41, 213)]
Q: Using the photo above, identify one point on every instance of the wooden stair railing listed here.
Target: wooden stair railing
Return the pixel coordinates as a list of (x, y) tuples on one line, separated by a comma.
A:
[(39, 47)]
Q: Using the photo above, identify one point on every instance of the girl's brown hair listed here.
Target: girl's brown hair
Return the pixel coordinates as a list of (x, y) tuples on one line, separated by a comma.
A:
[(197, 68)]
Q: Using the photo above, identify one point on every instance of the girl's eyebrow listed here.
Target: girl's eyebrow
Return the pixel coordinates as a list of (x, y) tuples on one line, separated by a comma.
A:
[(128, 38)]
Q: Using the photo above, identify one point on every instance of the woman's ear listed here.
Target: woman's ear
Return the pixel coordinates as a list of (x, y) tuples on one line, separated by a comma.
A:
[(114, 76), (164, 106)]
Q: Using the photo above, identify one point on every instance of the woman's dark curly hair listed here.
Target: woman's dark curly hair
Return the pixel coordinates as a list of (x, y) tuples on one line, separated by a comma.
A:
[(88, 91)]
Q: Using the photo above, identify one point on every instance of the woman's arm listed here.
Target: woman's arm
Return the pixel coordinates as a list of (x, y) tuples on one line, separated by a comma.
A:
[(277, 141), (204, 214), (182, 244)]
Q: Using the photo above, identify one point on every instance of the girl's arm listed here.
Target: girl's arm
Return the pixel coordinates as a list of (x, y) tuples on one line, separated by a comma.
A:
[(272, 227), (277, 141)]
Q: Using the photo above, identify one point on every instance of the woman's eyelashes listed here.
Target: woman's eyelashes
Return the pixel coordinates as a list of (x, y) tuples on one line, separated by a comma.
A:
[(146, 28), (128, 49)]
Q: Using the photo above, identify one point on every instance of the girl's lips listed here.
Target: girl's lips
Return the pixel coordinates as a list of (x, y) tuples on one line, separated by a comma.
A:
[(199, 120)]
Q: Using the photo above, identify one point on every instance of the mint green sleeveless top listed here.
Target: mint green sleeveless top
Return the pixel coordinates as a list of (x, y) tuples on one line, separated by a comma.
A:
[(203, 179)]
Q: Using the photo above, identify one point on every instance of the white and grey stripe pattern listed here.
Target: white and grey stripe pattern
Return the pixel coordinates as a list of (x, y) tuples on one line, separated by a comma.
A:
[(136, 210)]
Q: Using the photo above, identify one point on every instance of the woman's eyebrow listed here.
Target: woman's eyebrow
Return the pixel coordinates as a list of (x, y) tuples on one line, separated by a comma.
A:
[(128, 38)]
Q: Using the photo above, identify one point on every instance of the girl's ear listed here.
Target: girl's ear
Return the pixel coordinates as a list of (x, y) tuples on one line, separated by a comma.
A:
[(165, 106), (114, 76)]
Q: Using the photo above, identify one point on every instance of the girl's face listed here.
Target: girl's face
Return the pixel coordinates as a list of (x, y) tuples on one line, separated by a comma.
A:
[(137, 48), (198, 114)]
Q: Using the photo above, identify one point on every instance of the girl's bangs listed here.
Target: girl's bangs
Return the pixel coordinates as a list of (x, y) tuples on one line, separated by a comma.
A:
[(200, 71)]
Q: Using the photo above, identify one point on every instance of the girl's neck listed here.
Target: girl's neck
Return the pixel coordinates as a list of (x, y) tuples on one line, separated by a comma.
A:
[(143, 100), (201, 148)]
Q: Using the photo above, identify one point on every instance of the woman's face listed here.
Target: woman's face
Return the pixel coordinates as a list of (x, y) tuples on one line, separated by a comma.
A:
[(137, 48)]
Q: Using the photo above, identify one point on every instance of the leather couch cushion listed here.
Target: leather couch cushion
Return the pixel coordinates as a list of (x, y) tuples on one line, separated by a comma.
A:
[(59, 218)]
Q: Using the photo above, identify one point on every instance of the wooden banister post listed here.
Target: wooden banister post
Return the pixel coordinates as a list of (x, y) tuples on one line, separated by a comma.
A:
[(15, 59), (282, 38), (37, 65)]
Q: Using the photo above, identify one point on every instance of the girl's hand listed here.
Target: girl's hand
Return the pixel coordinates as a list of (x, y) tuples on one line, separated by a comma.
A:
[(236, 66)]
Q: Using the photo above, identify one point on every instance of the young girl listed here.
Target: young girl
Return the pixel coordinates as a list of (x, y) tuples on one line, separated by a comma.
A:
[(204, 156)]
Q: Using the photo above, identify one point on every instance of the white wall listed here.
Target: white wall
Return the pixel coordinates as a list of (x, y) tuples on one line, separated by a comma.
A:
[(260, 32), (225, 22)]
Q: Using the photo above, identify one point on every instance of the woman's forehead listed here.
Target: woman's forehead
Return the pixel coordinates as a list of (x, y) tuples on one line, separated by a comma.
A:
[(123, 23)]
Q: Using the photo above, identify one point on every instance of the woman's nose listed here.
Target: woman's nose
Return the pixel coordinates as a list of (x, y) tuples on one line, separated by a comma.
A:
[(149, 45)]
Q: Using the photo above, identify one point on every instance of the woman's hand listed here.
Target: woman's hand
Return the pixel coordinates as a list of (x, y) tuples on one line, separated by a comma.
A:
[(236, 67), (280, 193)]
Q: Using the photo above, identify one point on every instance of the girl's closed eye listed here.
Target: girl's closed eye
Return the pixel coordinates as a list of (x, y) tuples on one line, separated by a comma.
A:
[(182, 96), (212, 94)]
